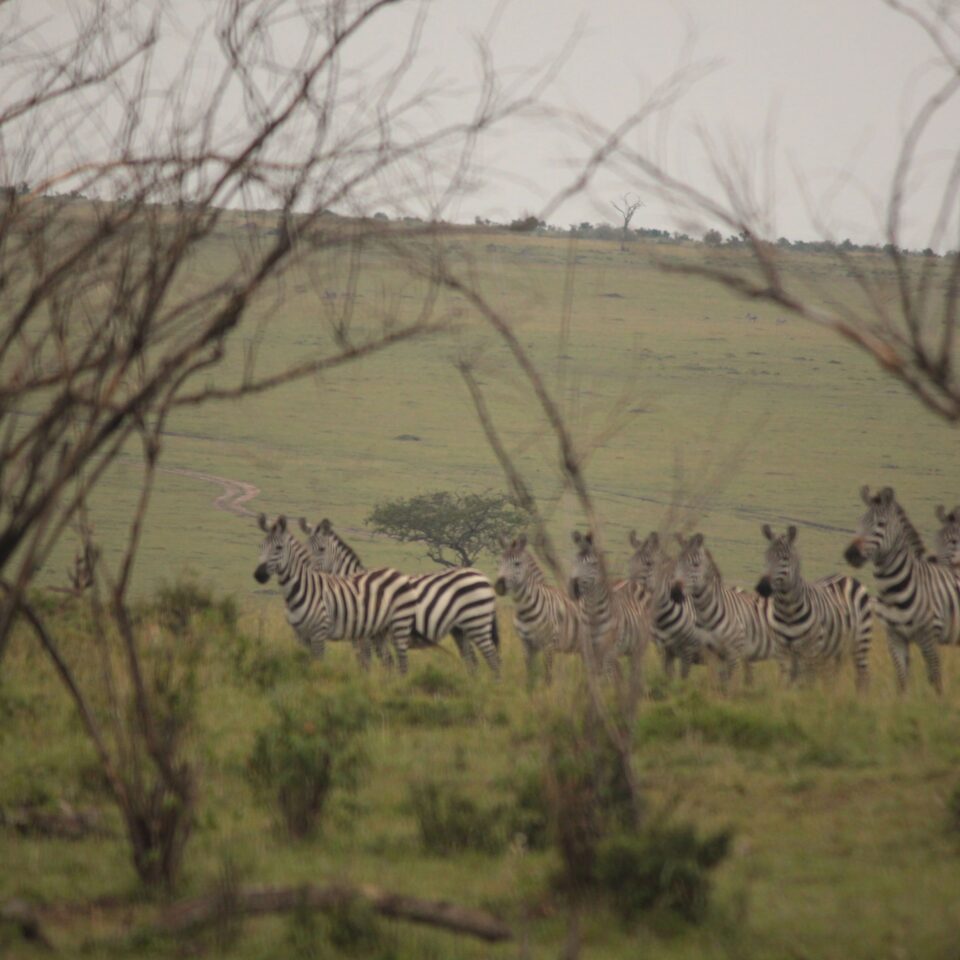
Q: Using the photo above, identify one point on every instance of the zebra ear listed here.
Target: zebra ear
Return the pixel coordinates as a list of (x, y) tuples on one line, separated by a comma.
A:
[(681, 541), (634, 540), (791, 533), (767, 532), (504, 541), (887, 496), (522, 542), (281, 523), (588, 536), (325, 526), (865, 494), (697, 539), (941, 512), (654, 539), (262, 523), (577, 537), (305, 527)]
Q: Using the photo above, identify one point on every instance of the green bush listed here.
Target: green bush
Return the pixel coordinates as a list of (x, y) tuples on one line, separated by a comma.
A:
[(450, 821), (664, 866), (528, 815), (311, 749), (264, 667), (176, 604), (432, 681), (739, 725), (953, 810)]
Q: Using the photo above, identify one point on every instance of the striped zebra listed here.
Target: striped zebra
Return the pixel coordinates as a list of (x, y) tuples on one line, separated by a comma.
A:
[(948, 537), (817, 622), (323, 607), (737, 624), (674, 623), (545, 618), (613, 614), (459, 601), (917, 600)]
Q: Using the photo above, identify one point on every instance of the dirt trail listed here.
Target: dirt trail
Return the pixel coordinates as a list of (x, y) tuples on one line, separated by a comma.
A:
[(235, 492)]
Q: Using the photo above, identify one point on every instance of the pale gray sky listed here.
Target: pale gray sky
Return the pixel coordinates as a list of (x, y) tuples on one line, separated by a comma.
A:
[(837, 81)]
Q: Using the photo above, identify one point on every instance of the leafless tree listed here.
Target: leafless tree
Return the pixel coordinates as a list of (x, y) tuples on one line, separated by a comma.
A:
[(108, 330), (627, 207)]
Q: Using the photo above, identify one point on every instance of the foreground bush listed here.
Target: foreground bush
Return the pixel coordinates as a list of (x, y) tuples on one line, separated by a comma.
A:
[(312, 748), (449, 820)]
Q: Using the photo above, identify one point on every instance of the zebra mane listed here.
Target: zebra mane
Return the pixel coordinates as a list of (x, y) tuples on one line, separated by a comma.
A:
[(913, 538), (345, 547)]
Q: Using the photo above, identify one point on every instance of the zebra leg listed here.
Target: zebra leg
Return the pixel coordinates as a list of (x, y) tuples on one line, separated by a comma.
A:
[(547, 656), (530, 659), (362, 649), (686, 662), (931, 659), (381, 646), (747, 672), (668, 661), (483, 641), (900, 654), (465, 646)]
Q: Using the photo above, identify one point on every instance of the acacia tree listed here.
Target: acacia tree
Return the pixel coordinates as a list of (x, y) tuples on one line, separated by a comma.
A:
[(465, 524), (108, 330)]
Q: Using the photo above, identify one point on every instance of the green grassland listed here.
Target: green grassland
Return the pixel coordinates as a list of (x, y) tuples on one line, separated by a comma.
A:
[(790, 417), (843, 845)]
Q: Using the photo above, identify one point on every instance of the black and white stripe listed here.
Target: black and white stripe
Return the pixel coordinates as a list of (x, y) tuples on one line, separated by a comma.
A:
[(613, 614), (546, 620), (321, 607), (673, 620), (459, 601), (918, 600), (737, 625), (948, 537), (818, 622)]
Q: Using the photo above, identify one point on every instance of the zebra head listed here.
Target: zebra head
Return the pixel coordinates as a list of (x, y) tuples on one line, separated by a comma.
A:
[(515, 565), (273, 547), (320, 543), (585, 572), (881, 529), (948, 536), (783, 563), (647, 557), (694, 567)]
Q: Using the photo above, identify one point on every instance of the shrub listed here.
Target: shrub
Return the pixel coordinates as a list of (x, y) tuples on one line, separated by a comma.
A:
[(664, 866), (953, 810), (175, 604), (311, 749), (450, 821), (434, 682), (528, 813)]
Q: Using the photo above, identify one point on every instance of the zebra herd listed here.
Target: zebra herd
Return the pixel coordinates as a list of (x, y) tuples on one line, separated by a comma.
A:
[(681, 602)]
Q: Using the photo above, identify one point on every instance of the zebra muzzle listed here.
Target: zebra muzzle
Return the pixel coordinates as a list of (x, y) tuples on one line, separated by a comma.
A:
[(676, 592), (500, 587), (854, 554), (261, 574), (764, 587)]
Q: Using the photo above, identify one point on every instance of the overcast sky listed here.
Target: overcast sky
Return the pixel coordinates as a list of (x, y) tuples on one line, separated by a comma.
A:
[(836, 80), (818, 91)]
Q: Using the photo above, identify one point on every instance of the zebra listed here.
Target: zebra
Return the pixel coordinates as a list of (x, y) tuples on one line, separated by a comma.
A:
[(323, 607), (545, 618), (613, 615), (674, 621), (737, 624), (917, 600), (459, 601), (819, 621), (948, 537)]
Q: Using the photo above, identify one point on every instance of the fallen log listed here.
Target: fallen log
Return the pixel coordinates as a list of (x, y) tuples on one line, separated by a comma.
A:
[(197, 912), (67, 822)]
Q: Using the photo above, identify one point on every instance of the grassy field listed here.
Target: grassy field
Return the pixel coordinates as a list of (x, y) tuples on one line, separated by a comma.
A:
[(843, 844), (790, 417)]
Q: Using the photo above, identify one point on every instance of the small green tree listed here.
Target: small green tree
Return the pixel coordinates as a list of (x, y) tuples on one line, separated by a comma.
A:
[(464, 525)]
